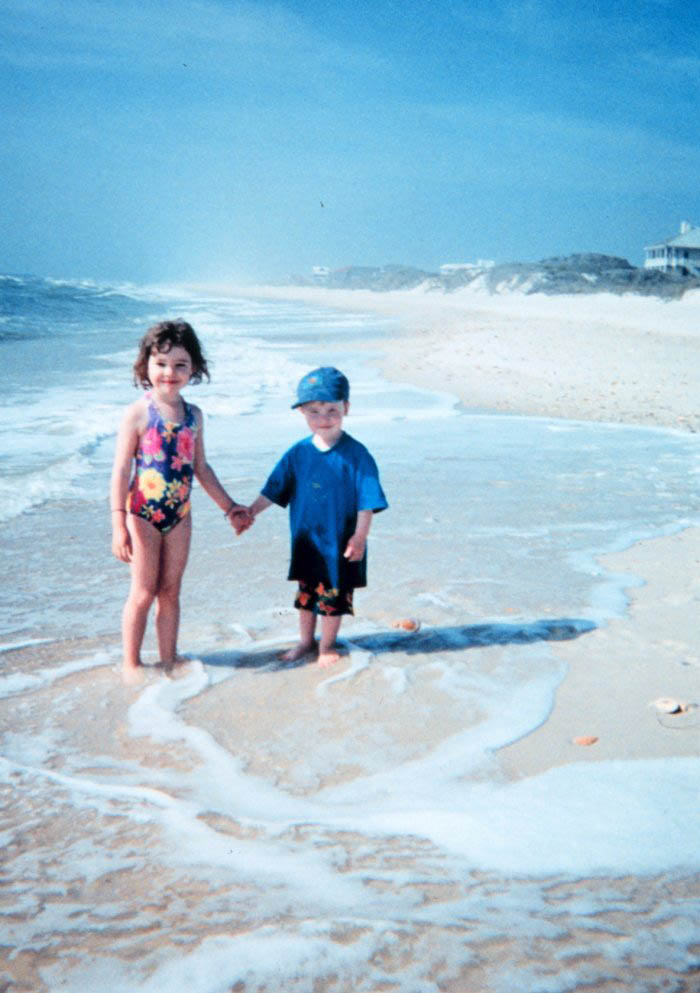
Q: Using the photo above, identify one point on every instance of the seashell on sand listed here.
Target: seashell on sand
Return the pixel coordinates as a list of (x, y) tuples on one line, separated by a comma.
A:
[(669, 705), (407, 624)]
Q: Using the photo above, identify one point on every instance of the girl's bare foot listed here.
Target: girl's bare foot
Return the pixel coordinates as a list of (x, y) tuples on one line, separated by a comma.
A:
[(299, 651), (132, 675)]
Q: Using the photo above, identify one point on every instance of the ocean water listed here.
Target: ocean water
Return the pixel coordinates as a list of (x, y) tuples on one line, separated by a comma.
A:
[(254, 826)]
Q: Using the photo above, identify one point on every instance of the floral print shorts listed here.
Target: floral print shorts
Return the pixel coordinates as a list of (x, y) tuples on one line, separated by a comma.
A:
[(318, 599)]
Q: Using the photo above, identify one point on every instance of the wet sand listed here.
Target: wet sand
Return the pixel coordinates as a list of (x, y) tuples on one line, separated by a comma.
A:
[(119, 874), (602, 358)]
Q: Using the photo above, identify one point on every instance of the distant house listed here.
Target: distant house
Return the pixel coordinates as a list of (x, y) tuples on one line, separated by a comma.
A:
[(320, 273), (679, 254)]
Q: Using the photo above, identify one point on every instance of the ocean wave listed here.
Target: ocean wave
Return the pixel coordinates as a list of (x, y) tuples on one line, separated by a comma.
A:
[(37, 307), (56, 482)]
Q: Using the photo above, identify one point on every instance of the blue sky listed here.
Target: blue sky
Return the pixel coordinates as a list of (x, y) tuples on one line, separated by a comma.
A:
[(164, 139)]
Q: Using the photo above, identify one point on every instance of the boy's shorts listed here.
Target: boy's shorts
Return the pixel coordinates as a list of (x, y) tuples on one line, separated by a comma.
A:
[(331, 603)]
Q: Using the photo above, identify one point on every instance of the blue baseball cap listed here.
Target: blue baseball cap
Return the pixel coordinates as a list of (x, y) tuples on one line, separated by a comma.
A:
[(324, 385)]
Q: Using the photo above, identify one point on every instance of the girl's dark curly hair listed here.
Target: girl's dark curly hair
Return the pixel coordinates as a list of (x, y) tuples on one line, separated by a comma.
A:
[(161, 338)]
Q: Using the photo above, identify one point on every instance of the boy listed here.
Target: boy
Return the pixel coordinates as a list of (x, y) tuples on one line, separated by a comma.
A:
[(331, 484)]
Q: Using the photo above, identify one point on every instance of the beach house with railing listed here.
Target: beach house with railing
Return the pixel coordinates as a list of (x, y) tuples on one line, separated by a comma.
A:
[(680, 253)]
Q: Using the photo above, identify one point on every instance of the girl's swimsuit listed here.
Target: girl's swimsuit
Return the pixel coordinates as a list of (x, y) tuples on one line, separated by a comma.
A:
[(160, 489)]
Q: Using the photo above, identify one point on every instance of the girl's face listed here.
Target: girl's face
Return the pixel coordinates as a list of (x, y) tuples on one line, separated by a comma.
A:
[(169, 372)]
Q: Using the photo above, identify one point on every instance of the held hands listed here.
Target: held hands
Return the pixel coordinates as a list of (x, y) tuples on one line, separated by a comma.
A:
[(240, 518)]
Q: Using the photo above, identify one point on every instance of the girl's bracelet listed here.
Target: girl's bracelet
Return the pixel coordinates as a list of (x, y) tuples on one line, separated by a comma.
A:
[(118, 510), (227, 512)]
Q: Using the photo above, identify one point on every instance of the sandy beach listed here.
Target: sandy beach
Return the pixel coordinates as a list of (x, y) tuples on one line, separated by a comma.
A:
[(623, 359), (485, 779), (605, 358), (480, 806)]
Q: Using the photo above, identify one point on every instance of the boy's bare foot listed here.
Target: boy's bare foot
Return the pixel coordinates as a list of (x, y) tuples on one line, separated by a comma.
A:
[(175, 668), (171, 663), (299, 651), (328, 657)]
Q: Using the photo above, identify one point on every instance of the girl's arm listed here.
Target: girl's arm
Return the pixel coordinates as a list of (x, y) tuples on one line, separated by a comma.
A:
[(236, 513), (355, 549), (127, 440)]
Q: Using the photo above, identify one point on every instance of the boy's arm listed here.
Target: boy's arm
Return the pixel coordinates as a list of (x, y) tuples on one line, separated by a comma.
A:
[(355, 549), (259, 504)]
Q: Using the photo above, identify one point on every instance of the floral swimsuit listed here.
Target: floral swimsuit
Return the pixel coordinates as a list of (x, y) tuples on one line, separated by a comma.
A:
[(160, 489)]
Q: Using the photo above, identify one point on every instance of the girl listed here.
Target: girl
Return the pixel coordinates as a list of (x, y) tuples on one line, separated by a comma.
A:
[(161, 439)]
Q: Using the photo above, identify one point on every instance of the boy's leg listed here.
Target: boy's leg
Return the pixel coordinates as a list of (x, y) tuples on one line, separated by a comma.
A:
[(328, 654), (306, 643), (145, 564), (173, 559)]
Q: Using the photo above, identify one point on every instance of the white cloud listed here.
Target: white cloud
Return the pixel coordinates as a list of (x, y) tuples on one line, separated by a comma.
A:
[(565, 27), (51, 34), (529, 146)]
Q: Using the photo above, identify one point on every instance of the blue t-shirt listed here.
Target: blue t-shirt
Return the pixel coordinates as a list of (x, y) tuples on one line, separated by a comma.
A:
[(325, 491)]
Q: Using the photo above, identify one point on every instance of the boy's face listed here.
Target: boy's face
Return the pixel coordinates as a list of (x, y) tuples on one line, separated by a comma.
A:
[(325, 420)]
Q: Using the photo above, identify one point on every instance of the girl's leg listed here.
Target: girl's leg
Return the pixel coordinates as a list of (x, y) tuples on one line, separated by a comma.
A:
[(173, 559), (145, 564), (307, 629), (327, 652)]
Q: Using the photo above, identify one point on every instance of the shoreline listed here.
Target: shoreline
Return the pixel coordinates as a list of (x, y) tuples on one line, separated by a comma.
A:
[(615, 360), (618, 671), (625, 360), (355, 826)]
